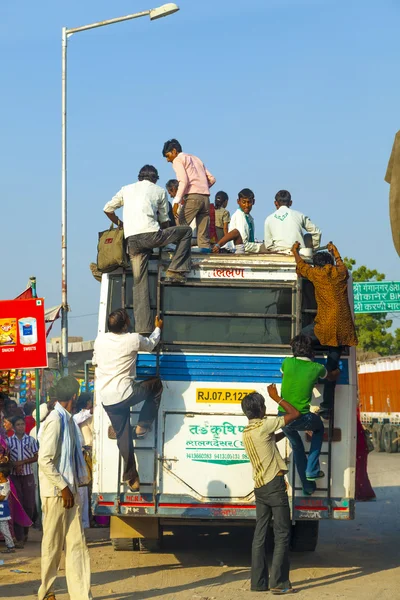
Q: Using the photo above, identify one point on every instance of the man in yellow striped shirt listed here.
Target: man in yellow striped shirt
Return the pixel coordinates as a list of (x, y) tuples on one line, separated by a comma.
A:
[(270, 493)]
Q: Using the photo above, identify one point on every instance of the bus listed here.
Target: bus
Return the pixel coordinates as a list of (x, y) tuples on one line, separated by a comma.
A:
[(226, 333)]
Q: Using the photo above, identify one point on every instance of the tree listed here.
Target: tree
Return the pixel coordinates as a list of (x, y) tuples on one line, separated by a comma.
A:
[(373, 330)]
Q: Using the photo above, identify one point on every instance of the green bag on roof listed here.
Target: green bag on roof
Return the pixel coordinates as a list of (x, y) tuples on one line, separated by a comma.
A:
[(111, 250)]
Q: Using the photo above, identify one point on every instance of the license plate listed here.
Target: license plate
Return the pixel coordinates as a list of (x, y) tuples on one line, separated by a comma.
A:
[(216, 396)]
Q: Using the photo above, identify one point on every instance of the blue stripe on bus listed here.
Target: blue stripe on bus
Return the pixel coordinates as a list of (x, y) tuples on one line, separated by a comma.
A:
[(222, 368)]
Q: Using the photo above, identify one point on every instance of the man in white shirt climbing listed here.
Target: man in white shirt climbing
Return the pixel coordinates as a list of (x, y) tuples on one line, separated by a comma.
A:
[(115, 355), (285, 227), (146, 226)]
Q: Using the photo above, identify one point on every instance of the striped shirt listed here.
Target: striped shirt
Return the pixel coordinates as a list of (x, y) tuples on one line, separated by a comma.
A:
[(22, 449), (259, 442)]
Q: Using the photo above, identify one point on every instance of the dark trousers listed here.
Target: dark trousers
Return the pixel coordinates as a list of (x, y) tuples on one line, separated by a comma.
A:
[(26, 492), (140, 248), (271, 501), (148, 391), (332, 363)]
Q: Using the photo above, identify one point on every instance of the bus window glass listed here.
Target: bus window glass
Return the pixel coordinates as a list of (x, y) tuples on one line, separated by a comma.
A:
[(226, 330), (228, 300)]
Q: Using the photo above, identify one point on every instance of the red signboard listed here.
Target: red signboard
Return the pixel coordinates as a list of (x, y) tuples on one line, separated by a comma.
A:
[(22, 334)]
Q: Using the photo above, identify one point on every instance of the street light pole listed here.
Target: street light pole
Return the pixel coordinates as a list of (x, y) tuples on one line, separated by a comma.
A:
[(154, 13), (64, 294)]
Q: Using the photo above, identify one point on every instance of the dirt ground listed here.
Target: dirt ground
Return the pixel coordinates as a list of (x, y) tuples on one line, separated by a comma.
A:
[(357, 559)]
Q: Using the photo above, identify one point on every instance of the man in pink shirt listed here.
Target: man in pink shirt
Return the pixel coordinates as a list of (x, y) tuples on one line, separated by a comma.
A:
[(193, 195)]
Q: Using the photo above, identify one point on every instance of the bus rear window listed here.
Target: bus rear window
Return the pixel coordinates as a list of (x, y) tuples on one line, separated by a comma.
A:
[(227, 318)]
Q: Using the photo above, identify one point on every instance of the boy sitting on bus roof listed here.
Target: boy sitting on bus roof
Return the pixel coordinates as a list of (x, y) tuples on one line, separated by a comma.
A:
[(333, 325), (300, 375), (285, 227), (241, 227)]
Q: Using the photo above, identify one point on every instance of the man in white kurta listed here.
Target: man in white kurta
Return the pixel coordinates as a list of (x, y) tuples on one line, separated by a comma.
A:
[(61, 471)]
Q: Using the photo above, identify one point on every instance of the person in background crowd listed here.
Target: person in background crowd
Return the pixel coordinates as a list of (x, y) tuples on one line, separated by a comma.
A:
[(300, 375), (4, 448), (5, 512), (12, 409), (44, 412), (272, 504), (192, 200), (172, 189), (23, 452), (146, 226), (241, 227), (115, 355), (8, 426), (84, 419), (285, 227), (30, 423), (52, 399), (222, 217), (333, 325), (61, 470), (18, 515), (364, 490), (3, 399)]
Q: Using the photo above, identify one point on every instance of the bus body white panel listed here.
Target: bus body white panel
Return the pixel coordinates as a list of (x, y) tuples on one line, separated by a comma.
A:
[(193, 465)]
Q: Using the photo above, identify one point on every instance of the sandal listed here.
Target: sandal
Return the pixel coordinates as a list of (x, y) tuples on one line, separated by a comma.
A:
[(279, 592), (320, 475), (50, 596), (133, 484), (8, 551), (174, 277), (141, 436)]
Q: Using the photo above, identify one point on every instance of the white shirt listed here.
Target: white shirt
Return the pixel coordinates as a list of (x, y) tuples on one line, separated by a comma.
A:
[(239, 222), (84, 420), (145, 206), (115, 359), (285, 227)]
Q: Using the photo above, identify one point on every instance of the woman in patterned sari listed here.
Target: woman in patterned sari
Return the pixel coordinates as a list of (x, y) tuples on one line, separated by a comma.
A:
[(18, 515)]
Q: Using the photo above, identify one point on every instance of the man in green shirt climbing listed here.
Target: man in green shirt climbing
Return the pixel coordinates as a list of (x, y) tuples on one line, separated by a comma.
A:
[(300, 375)]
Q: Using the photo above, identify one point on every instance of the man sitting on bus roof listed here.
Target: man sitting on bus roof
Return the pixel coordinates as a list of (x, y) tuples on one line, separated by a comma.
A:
[(285, 227), (333, 325), (241, 227), (300, 375), (146, 226)]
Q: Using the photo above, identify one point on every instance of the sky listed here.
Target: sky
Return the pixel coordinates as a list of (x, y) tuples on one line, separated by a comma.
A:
[(271, 94)]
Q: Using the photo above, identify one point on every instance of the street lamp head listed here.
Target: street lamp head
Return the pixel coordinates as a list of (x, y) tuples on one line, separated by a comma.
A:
[(163, 11)]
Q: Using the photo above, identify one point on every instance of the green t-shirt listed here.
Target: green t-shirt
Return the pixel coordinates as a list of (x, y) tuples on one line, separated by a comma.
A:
[(299, 378)]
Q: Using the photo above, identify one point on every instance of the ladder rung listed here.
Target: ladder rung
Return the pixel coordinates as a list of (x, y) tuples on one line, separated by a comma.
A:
[(300, 489)]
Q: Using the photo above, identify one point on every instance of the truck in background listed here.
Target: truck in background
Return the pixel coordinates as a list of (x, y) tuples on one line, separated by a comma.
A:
[(379, 398)]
